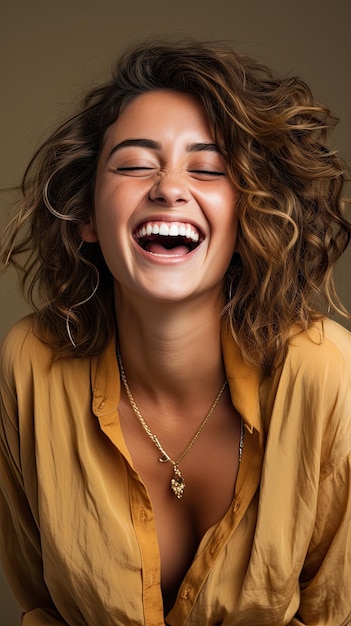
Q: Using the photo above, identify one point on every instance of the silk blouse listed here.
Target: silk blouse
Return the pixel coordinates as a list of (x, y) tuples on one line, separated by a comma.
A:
[(78, 540)]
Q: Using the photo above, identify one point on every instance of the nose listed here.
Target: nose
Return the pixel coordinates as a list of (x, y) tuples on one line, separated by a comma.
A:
[(170, 189)]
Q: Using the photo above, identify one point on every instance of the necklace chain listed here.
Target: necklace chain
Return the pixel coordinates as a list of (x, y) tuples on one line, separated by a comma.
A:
[(177, 482)]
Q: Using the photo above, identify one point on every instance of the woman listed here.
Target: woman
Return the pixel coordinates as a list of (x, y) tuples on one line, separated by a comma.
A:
[(175, 418)]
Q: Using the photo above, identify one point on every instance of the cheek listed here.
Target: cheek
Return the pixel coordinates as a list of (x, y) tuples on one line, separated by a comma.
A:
[(229, 222), (107, 212), (231, 210), (227, 215)]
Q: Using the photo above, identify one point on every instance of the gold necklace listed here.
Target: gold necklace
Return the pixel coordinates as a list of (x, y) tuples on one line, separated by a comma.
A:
[(177, 482)]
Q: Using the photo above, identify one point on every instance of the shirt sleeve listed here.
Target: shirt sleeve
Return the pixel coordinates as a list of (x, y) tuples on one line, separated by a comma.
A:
[(326, 577), (20, 550), (325, 580)]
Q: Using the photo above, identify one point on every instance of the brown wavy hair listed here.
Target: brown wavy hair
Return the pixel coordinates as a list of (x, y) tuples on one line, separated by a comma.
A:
[(292, 227)]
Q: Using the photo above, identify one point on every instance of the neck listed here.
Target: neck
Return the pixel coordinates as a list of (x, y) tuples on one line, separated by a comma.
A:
[(171, 350)]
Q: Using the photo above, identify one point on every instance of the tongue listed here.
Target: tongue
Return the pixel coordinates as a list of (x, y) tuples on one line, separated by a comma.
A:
[(157, 248)]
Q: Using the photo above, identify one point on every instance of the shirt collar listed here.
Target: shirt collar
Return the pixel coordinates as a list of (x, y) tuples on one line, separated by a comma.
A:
[(105, 382), (243, 380)]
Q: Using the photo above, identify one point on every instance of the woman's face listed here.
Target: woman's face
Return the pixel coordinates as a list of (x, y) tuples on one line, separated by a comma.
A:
[(165, 211)]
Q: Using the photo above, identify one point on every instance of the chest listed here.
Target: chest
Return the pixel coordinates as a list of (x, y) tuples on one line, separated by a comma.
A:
[(209, 470)]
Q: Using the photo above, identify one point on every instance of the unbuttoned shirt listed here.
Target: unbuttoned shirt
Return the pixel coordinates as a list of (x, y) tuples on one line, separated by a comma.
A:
[(78, 539)]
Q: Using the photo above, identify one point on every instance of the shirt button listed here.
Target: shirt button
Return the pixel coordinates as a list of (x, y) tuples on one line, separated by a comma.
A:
[(142, 516), (185, 595), (237, 505)]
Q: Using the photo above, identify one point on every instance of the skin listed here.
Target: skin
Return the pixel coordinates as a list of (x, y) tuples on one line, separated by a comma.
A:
[(176, 182), (168, 307), (162, 302)]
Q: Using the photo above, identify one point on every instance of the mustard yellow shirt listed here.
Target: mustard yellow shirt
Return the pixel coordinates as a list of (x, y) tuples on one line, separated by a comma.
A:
[(78, 540)]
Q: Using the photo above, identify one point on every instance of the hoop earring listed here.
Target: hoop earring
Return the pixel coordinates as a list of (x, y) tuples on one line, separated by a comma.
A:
[(229, 287), (230, 292), (75, 306)]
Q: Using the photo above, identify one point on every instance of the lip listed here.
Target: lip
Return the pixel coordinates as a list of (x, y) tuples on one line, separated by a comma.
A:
[(164, 258), (187, 229)]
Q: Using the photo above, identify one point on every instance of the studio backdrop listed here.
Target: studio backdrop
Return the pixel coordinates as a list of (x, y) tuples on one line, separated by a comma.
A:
[(52, 52)]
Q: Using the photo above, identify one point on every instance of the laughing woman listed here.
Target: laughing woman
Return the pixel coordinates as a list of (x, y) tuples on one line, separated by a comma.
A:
[(176, 413)]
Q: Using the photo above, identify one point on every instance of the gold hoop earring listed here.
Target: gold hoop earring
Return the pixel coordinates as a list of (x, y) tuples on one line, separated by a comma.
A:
[(229, 286), (75, 306)]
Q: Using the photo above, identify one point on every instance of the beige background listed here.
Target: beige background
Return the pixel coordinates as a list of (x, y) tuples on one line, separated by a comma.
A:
[(50, 52)]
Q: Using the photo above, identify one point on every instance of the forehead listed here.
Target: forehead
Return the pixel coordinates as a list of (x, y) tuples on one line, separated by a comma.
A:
[(160, 112)]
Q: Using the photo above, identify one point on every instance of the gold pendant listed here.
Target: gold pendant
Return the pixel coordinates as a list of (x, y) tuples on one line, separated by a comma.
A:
[(177, 483)]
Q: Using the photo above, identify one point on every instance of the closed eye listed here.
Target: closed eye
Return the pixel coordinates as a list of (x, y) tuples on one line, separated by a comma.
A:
[(197, 171), (206, 174), (134, 170), (209, 172), (128, 169)]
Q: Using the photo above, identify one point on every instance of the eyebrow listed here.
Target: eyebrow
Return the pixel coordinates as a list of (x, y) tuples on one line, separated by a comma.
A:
[(155, 145)]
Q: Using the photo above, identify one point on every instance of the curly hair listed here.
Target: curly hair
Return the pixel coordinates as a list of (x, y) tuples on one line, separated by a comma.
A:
[(292, 225)]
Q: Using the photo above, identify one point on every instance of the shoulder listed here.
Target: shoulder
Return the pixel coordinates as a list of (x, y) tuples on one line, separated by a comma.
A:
[(324, 348), (21, 353), (18, 333), (25, 354), (32, 374), (316, 380), (318, 362), (315, 376), (21, 345)]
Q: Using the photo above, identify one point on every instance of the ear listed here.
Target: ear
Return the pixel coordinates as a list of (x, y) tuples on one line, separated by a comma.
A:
[(88, 233)]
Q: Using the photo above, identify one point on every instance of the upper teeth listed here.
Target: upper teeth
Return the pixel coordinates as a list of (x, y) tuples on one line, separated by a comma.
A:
[(168, 230)]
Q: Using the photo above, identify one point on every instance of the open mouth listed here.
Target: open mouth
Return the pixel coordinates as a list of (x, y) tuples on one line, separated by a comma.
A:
[(168, 239)]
